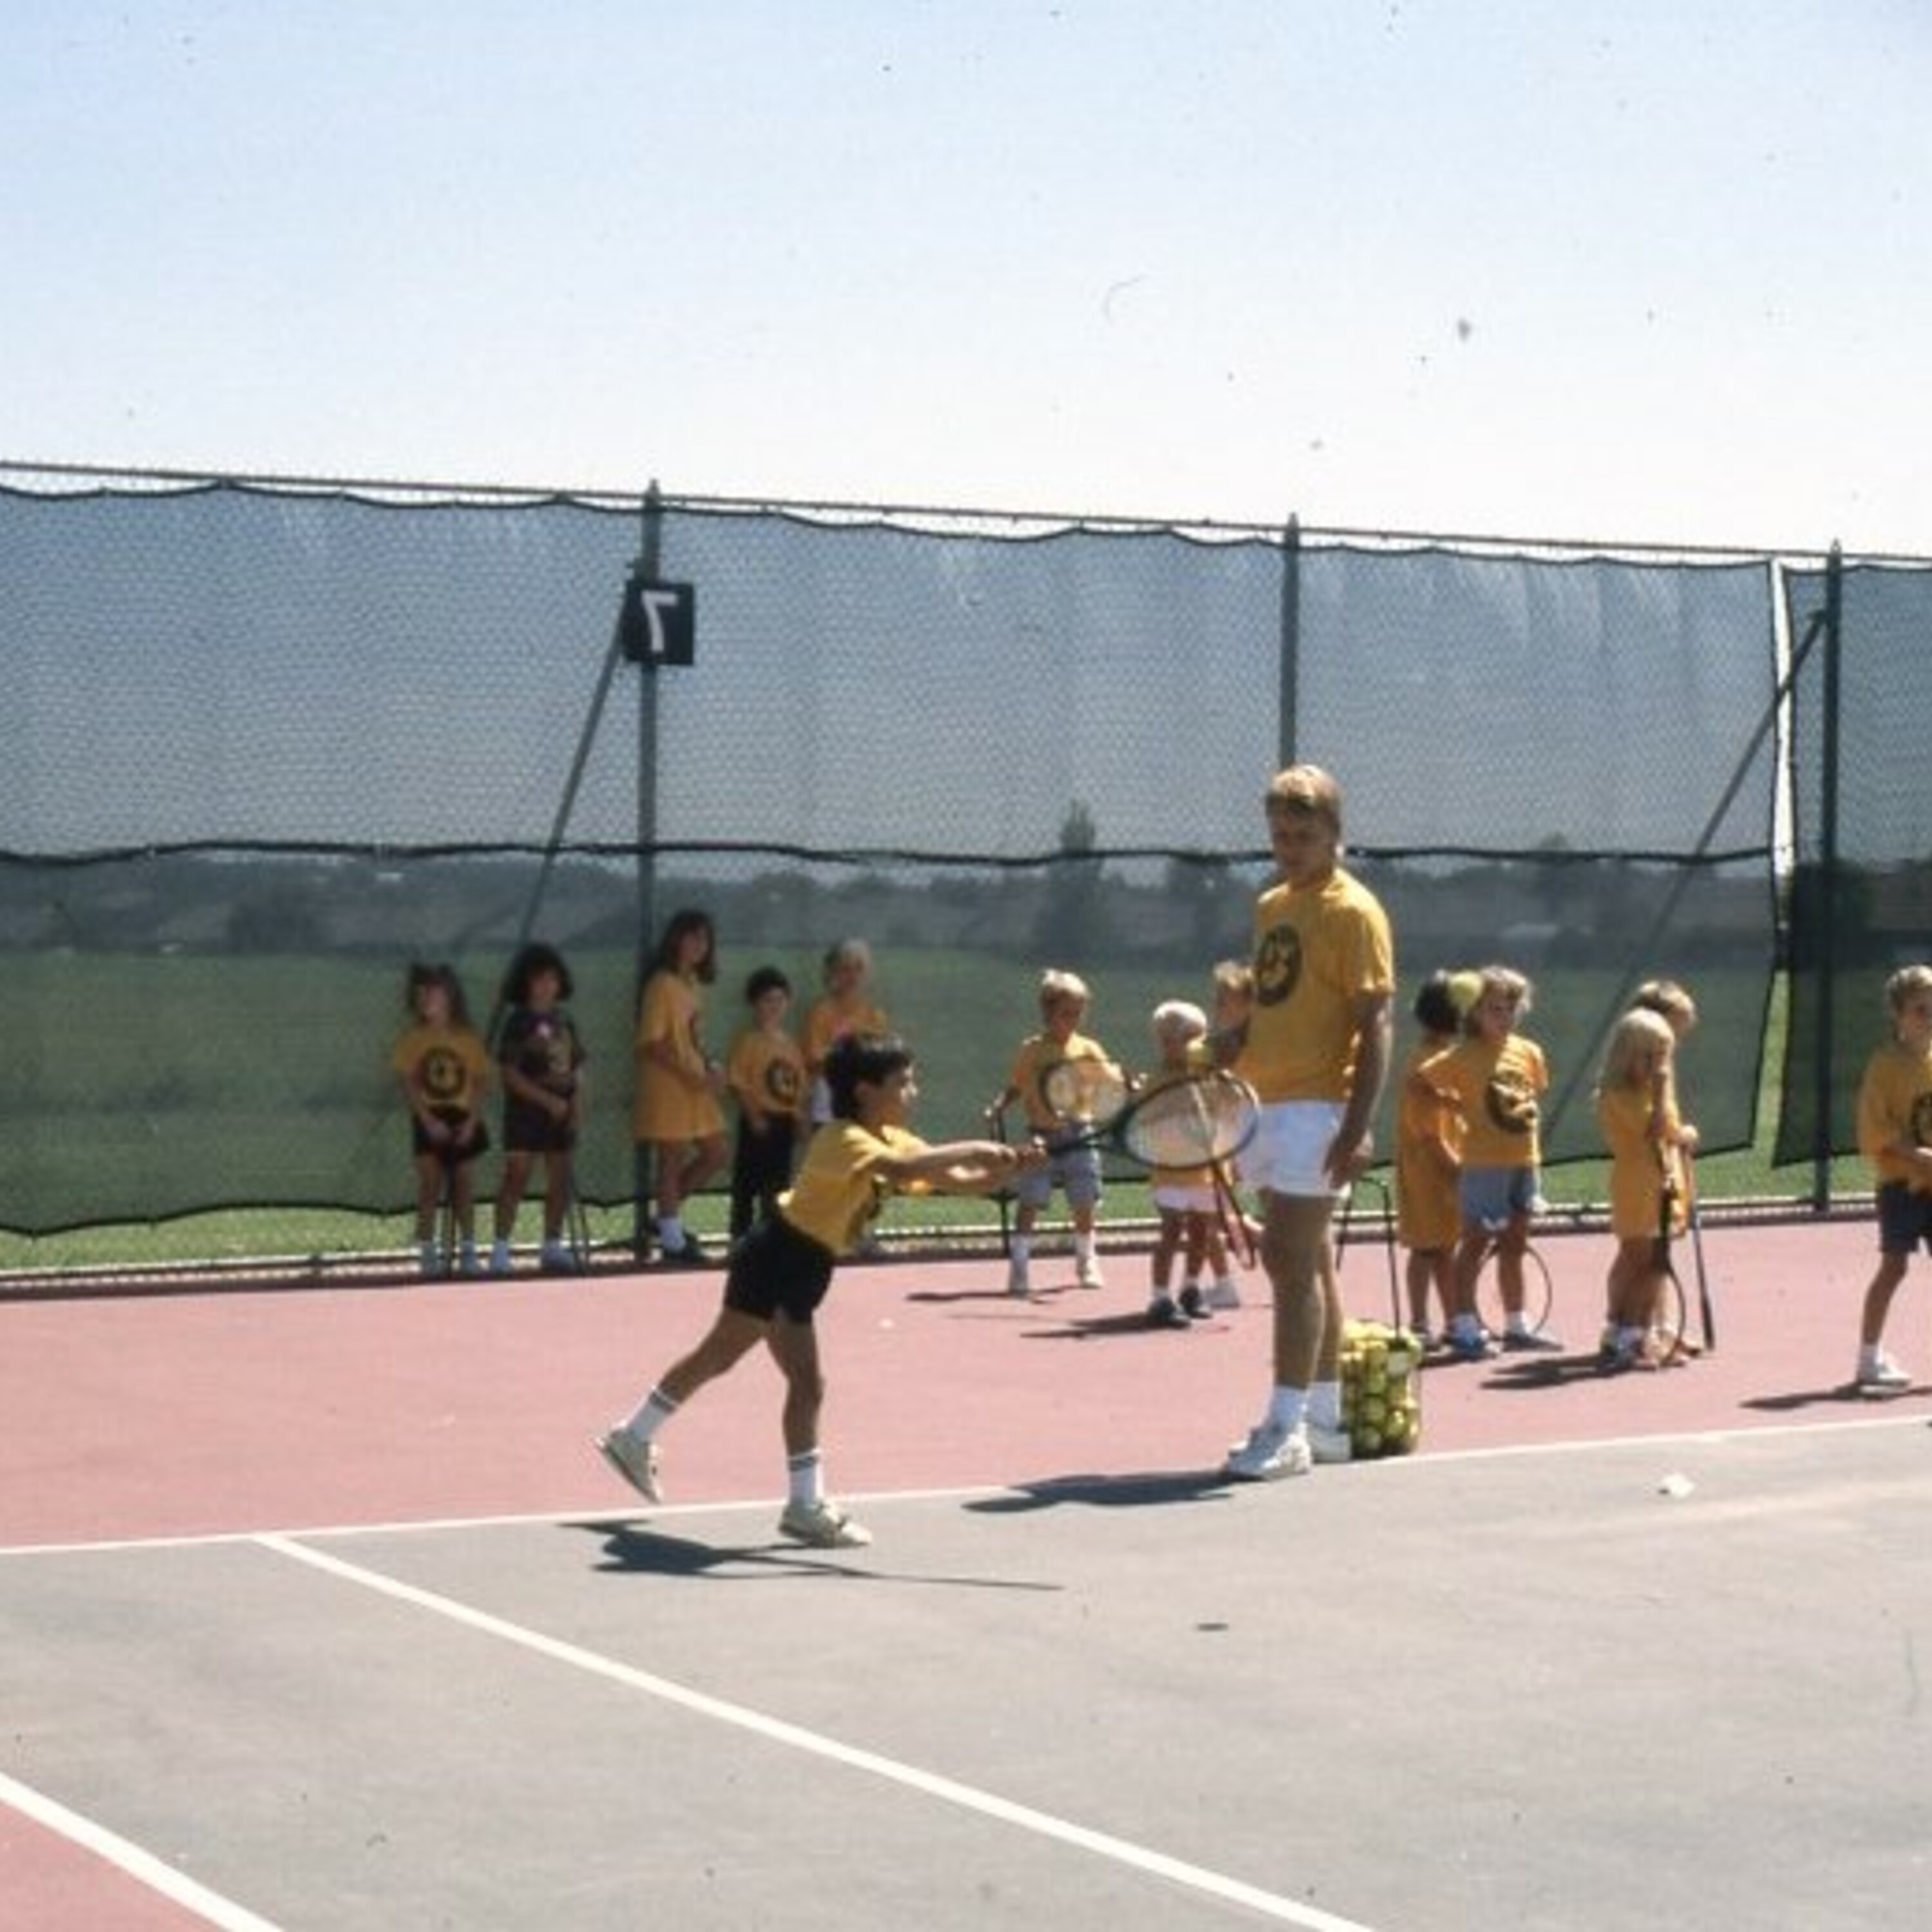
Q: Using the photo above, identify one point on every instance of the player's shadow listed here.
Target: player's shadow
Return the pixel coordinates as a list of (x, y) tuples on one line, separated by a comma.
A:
[(1146, 1489), (1792, 1400), (1523, 1374), (630, 1549)]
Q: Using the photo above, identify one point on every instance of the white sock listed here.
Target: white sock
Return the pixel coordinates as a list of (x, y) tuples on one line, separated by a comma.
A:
[(1325, 1405), (656, 1410), (670, 1231), (1288, 1408), (1020, 1247), (1083, 1247), (805, 1483)]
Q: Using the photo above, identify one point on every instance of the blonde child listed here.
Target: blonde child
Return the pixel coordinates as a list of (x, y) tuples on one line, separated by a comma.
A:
[(1429, 1153), (676, 1111), (1184, 1197), (1064, 1001), (765, 1070), (846, 1006), (1495, 1076), (1635, 1111), (444, 1068), (1895, 1135), (781, 1272), (540, 1060)]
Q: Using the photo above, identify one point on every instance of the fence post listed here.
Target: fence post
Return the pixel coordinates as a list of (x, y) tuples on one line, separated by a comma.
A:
[(1825, 1061), (650, 548), (1289, 728)]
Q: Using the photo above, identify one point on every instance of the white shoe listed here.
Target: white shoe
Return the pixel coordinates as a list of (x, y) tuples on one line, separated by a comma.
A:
[(1223, 1294), (823, 1525), (1330, 1445), (633, 1459), (1017, 1281), (1884, 1376), (1270, 1453), (1087, 1274)]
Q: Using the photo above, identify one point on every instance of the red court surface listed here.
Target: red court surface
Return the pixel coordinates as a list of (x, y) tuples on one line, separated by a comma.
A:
[(441, 1436)]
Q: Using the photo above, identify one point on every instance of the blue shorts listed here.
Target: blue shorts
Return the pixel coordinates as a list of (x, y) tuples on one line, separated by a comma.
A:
[(1076, 1170), (1491, 1197), (1904, 1219)]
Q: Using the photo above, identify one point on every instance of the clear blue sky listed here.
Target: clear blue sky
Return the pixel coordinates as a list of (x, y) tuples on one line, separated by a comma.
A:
[(1653, 269)]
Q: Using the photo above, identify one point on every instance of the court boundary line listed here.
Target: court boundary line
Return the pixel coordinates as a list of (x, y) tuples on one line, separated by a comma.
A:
[(132, 1860), (1434, 1458), (1180, 1872)]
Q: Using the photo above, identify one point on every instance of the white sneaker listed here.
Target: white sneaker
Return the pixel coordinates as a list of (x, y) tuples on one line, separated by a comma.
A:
[(499, 1257), (1017, 1281), (1270, 1453), (823, 1526), (1223, 1294), (1884, 1375), (1087, 1274), (1330, 1445), (633, 1459)]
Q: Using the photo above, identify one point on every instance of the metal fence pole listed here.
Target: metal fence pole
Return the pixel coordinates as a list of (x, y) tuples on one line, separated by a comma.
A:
[(1825, 1061)]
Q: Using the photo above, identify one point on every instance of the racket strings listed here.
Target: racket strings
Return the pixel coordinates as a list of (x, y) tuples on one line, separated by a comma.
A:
[(1191, 1124)]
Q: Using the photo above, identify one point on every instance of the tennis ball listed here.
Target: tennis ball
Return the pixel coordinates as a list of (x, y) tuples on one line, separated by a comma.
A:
[(1465, 988)]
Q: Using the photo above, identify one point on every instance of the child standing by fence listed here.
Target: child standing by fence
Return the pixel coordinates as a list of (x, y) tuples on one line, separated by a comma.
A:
[(541, 1060), (676, 1113), (766, 1072), (1895, 1135), (444, 1068), (1429, 1156)]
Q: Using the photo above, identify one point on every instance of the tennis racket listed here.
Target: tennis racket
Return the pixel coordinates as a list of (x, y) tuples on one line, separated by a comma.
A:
[(1229, 1212), (1668, 1321), (1197, 1120), (1707, 1320)]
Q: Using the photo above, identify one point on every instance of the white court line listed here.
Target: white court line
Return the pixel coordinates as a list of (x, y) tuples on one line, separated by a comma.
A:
[(1386, 1467), (130, 1858), (969, 1798)]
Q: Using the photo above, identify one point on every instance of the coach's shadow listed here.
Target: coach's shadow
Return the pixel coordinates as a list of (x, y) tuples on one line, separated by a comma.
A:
[(1144, 1490), (1842, 1392)]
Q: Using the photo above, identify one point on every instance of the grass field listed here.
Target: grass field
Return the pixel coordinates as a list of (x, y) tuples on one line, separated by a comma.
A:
[(187, 1090)]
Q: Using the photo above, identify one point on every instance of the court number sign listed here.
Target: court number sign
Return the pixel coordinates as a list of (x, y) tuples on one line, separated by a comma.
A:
[(660, 621)]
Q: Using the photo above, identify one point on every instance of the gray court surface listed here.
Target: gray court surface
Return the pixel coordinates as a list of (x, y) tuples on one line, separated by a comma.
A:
[(1662, 1683)]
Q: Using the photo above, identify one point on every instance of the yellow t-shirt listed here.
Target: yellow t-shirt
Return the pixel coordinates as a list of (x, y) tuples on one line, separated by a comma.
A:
[(666, 1106), (1895, 1104), (1428, 1212), (839, 1191), (828, 1022), (1033, 1066), (448, 1066), (1638, 1164), (767, 1070), (1318, 951), (1497, 1086)]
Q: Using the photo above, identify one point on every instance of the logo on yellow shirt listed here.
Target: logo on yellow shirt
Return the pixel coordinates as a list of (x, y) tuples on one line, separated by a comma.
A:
[(1510, 1104), (1277, 965)]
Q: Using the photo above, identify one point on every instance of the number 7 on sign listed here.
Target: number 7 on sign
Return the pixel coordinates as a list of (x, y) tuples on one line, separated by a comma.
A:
[(660, 621)]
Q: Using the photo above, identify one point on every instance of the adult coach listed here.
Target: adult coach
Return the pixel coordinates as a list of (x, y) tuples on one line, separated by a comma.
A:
[(1315, 1046)]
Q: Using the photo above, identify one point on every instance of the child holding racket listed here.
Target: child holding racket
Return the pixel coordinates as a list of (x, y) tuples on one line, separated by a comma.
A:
[(766, 1073), (1064, 1001), (1429, 1154), (1496, 1076), (1184, 1197), (1895, 1135), (540, 1060), (444, 1068), (1315, 1049), (780, 1271), (1637, 1117), (845, 1007), (676, 1112)]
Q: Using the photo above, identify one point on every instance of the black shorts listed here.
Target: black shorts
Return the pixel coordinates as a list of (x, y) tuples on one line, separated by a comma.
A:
[(420, 1142), (531, 1130), (1904, 1219), (775, 1269)]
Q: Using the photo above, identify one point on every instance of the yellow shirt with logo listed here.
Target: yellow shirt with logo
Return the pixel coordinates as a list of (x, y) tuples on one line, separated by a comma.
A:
[(766, 1070), (839, 1190), (1318, 951), (1497, 1084), (1895, 1104), (668, 1106), (448, 1066), (1033, 1066)]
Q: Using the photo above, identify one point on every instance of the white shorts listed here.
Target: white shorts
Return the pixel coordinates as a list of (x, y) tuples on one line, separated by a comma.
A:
[(1189, 1200), (1289, 1153)]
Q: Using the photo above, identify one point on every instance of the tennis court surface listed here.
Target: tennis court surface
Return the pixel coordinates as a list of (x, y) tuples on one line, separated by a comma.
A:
[(317, 1610)]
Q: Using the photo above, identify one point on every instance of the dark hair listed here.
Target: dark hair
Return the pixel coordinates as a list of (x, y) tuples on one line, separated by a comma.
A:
[(531, 960), (1434, 1009), (861, 1060), (422, 974), (765, 980), (681, 924)]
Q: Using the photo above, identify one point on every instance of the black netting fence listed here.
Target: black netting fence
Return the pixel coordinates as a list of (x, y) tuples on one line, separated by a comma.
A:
[(266, 745)]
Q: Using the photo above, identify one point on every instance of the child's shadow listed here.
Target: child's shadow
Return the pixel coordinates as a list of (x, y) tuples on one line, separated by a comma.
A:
[(1143, 1490)]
